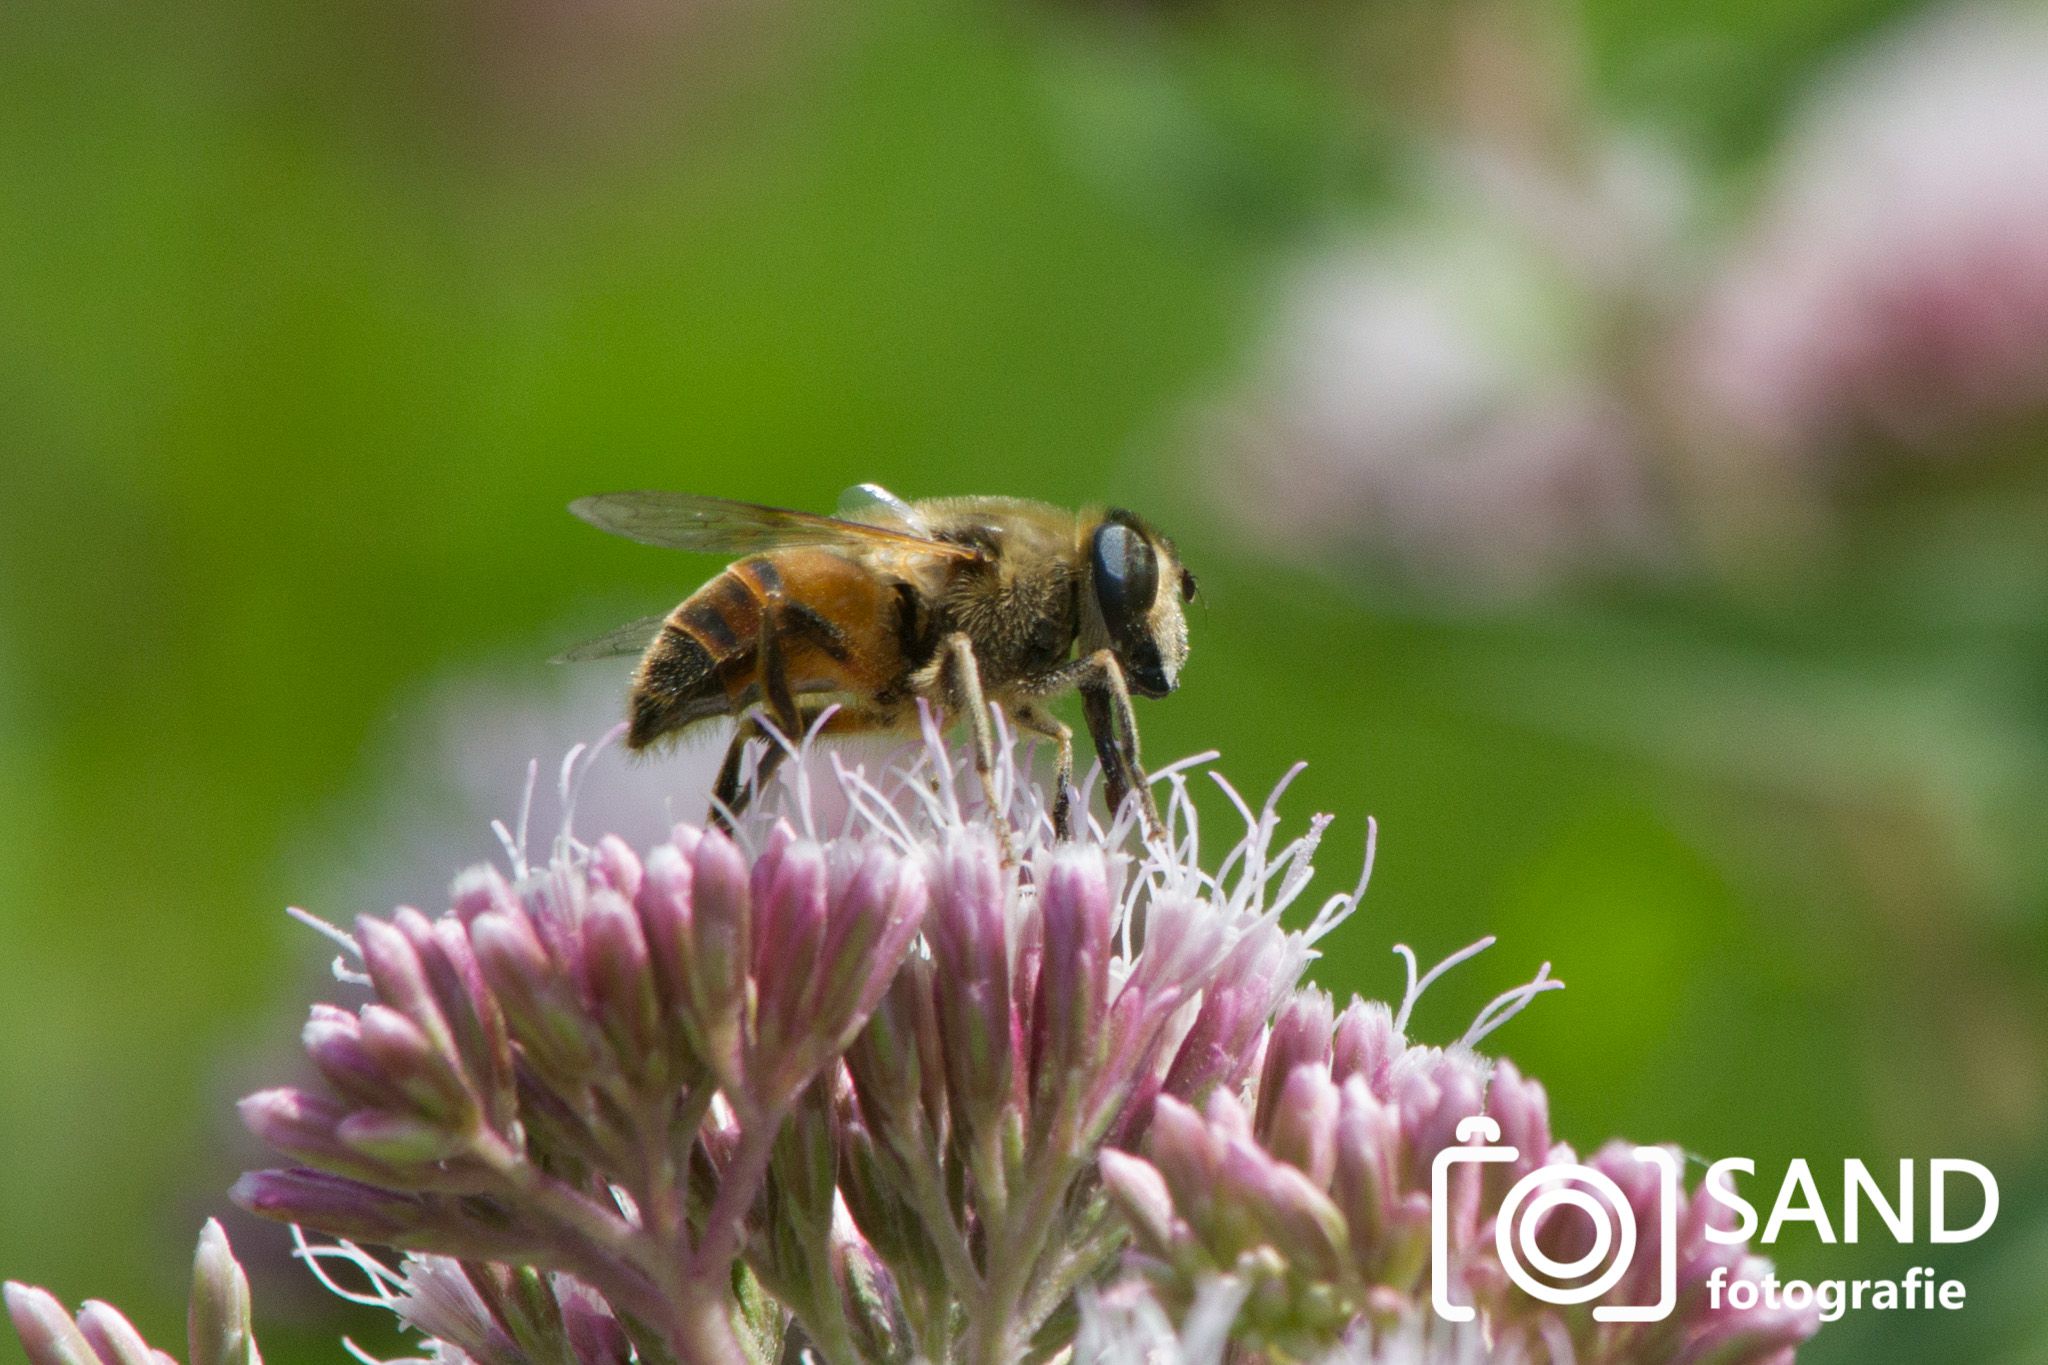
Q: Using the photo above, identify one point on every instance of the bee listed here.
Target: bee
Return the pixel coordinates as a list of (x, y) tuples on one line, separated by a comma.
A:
[(957, 602)]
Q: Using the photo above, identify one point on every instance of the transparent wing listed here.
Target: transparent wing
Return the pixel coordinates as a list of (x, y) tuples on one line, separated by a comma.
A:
[(631, 638), (689, 521), (873, 505)]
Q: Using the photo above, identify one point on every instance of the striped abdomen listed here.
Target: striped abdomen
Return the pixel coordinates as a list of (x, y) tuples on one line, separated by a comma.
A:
[(835, 624)]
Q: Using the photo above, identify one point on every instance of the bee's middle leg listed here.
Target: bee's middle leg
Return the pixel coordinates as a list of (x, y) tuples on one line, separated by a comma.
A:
[(1106, 705), (1035, 718), (963, 692)]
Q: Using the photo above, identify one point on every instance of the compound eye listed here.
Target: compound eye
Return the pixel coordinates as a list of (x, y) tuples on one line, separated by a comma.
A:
[(1126, 576)]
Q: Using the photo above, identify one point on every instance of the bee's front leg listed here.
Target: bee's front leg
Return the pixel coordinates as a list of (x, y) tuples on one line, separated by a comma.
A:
[(1106, 705)]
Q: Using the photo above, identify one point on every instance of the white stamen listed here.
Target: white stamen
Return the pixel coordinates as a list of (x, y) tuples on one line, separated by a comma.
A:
[(1508, 1004), (1340, 906), (1416, 988), (322, 927), (386, 1285), (526, 817)]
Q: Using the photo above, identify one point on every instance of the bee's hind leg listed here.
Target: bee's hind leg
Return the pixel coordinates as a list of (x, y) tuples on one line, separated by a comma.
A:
[(728, 796)]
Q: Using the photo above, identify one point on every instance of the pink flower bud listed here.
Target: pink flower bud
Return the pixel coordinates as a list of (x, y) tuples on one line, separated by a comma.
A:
[(414, 1067), (663, 904), (481, 1040), (1303, 1128), (1073, 978), (479, 890), (872, 917), (1279, 1206), (539, 1009), (967, 925), (219, 1324), (1365, 1044), (1141, 1196), (391, 956), (333, 1040), (47, 1333), (303, 1126), (114, 1338), (1186, 1155), (721, 915), (1300, 1036), (1364, 1170), (618, 981), (366, 1213), (1522, 1110), (1434, 1091), (614, 865)]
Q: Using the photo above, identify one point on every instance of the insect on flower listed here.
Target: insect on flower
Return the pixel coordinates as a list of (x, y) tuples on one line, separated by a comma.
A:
[(956, 602)]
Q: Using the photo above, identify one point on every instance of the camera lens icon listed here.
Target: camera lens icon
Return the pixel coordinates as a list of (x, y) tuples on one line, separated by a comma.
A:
[(1591, 1195)]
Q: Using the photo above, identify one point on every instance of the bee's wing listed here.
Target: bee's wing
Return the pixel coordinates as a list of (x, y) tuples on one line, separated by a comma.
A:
[(631, 638), (688, 521), (873, 505)]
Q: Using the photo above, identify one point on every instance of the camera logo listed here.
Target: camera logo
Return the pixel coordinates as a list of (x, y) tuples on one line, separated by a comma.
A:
[(1524, 1211)]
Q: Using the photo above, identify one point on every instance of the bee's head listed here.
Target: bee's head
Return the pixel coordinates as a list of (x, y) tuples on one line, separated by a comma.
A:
[(1135, 587)]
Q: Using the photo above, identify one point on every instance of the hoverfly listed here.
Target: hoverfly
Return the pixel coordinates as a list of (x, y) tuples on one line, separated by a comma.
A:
[(959, 602)]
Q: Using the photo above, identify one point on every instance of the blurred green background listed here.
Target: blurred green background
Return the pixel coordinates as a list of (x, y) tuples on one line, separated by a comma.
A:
[(312, 318)]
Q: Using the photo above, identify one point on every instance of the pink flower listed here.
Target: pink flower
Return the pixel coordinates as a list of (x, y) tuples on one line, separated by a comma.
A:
[(1451, 396), (887, 1092), (874, 1067), (1896, 283), (1317, 1213)]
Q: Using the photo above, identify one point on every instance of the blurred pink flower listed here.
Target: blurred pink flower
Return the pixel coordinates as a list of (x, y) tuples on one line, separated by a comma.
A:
[(1449, 396), (1896, 281)]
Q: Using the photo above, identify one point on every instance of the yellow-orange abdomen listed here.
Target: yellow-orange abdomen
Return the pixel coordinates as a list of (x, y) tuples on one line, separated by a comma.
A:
[(836, 629)]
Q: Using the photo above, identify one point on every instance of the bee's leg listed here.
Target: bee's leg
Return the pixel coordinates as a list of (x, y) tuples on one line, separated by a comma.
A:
[(964, 691), (728, 796), (771, 666), (1106, 705), (1039, 721)]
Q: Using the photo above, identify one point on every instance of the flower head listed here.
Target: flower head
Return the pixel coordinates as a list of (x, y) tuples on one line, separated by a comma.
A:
[(903, 1088), (873, 1066), (1316, 1209)]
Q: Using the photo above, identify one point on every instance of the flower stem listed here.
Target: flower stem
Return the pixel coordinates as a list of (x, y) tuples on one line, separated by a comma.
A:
[(738, 1184), (996, 1332)]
